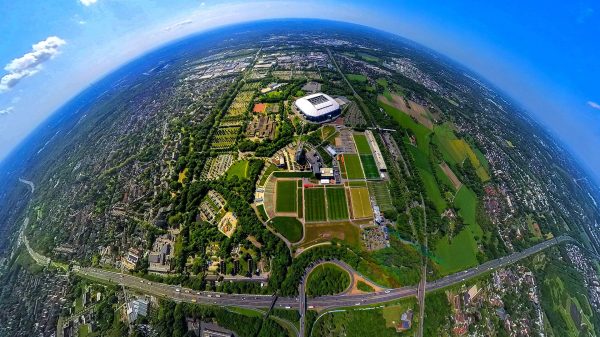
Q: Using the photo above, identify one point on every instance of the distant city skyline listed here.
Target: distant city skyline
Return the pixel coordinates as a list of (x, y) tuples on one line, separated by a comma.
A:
[(544, 56)]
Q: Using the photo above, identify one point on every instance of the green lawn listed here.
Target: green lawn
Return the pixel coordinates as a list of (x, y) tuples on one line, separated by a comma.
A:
[(263, 178), (353, 166), (337, 207), (239, 169), (289, 227), (461, 253), (362, 145), (358, 78), (286, 196), (262, 212), (368, 57), (314, 204), (369, 166)]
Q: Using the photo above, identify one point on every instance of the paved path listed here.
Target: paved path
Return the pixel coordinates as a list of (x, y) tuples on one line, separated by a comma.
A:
[(181, 294)]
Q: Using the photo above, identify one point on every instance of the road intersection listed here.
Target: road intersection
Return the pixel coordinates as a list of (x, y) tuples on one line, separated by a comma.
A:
[(177, 293)]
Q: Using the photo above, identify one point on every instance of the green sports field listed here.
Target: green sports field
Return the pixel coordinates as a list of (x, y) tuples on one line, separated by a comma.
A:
[(286, 196), (381, 191), (369, 166), (337, 207), (289, 227), (353, 166), (362, 145), (314, 204)]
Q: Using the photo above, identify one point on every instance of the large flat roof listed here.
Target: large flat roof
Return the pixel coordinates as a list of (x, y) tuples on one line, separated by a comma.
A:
[(316, 105)]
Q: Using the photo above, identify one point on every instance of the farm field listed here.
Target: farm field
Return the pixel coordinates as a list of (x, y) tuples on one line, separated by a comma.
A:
[(353, 166), (415, 110), (380, 190), (337, 207), (289, 227), (314, 204), (286, 196), (455, 151), (361, 206), (362, 145), (452, 178), (422, 133), (239, 169), (370, 168), (317, 232)]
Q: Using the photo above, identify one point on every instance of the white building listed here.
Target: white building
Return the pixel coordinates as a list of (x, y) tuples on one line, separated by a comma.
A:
[(318, 107)]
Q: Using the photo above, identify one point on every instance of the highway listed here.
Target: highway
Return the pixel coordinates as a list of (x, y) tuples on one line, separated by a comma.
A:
[(324, 302)]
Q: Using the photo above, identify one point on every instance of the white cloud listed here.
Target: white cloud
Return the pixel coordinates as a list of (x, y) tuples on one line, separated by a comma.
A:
[(30, 63), (6, 111), (594, 105), (88, 2), (177, 25)]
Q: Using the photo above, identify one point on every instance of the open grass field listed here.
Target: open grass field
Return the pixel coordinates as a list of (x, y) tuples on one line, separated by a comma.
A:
[(337, 206), (361, 205), (286, 195), (314, 204), (380, 190), (422, 133), (466, 203), (317, 232), (461, 252), (353, 166), (433, 190), (239, 169), (455, 151), (415, 110), (368, 57), (452, 178), (393, 313), (369, 167), (358, 78), (356, 323), (458, 254), (362, 145), (327, 131), (289, 227)]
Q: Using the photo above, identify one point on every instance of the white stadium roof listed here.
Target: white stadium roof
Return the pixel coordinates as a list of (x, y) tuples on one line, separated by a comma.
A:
[(316, 105)]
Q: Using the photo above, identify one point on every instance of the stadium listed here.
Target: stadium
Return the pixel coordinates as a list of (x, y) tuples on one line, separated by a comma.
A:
[(318, 107)]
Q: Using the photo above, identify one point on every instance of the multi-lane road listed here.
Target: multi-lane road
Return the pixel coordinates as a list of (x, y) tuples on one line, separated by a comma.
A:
[(323, 302)]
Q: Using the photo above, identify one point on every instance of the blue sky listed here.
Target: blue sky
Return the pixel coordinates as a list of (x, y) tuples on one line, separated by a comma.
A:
[(544, 54)]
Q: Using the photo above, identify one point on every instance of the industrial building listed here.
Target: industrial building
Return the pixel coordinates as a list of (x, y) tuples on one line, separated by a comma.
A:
[(376, 151), (318, 108)]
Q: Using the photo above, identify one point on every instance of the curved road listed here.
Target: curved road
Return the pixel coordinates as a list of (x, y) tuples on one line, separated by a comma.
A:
[(324, 302)]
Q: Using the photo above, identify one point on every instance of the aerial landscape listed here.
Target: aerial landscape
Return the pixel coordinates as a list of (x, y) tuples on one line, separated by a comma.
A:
[(296, 177)]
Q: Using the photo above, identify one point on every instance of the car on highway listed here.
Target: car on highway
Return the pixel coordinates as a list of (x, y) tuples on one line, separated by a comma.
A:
[(387, 291), (217, 295)]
